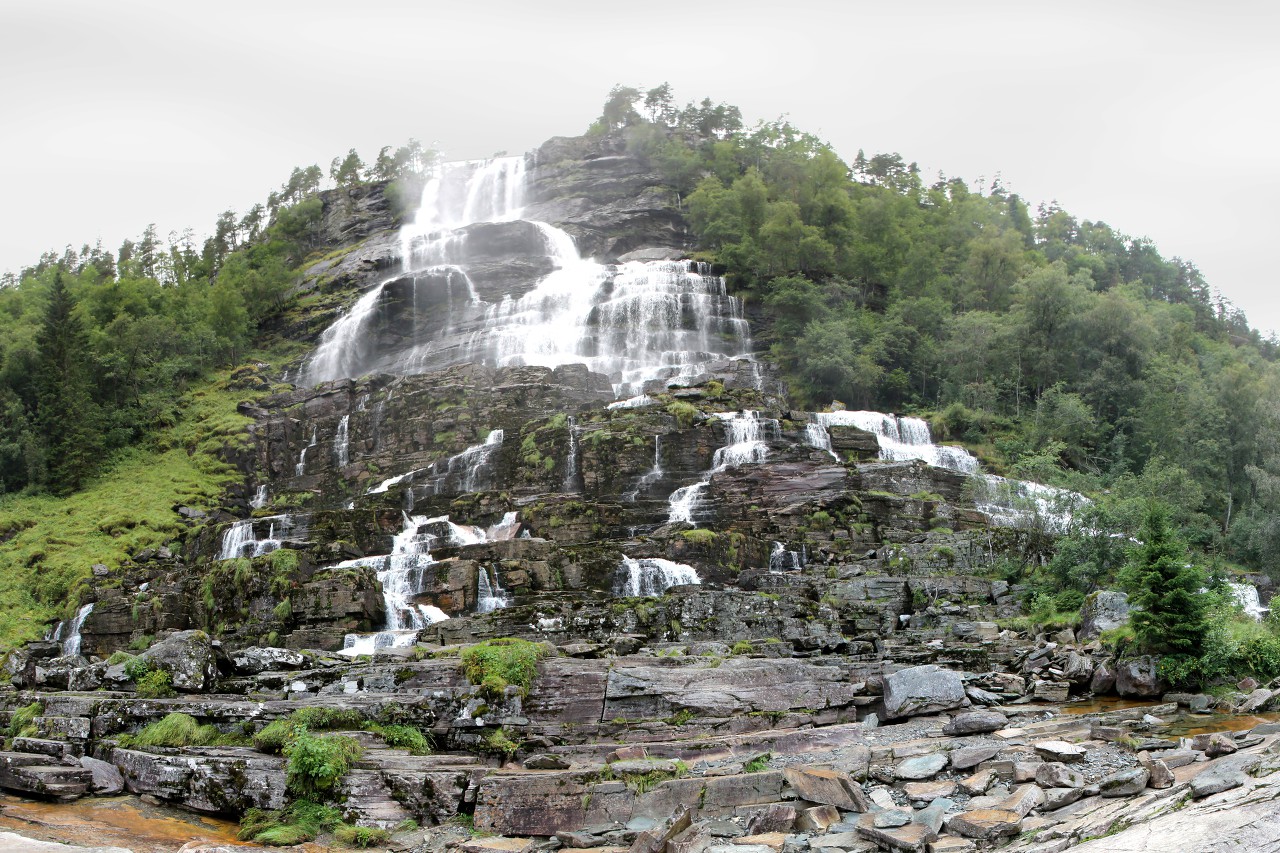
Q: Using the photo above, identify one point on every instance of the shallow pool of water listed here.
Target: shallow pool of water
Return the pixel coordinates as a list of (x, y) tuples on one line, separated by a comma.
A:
[(1101, 704), (1191, 725), (113, 821)]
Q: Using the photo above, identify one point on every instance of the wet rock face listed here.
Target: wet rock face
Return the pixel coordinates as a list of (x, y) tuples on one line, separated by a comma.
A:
[(188, 657)]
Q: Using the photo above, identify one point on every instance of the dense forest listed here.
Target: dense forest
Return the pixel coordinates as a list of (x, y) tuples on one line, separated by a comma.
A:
[(1059, 350)]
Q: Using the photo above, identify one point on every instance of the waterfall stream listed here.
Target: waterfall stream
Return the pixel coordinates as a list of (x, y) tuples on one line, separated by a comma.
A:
[(340, 442), (68, 633), (634, 322), (746, 432), (652, 576)]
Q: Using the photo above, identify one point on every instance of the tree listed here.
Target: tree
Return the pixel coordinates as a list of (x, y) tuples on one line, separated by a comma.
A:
[(345, 172), (65, 410), (1166, 588), (619, 109)]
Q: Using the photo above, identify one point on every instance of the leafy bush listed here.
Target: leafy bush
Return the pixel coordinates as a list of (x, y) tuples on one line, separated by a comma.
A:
[(498, 742), (276, 735), (135, 668), (495, 664), (742, 647), (156, 684), (317, 763), (684, 413)]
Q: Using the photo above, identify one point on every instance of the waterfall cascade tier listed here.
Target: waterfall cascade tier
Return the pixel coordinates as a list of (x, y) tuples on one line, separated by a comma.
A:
[(482, 285), (783, 560), (1246, 595), (254, 537), (341, 440), (68, 633), (458, 474), (402, 575), (1009, 503), (746, 432), (652, 576)]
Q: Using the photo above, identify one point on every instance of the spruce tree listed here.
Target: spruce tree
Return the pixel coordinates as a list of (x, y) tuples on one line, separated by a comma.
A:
[(1167, 588), (65, 411)]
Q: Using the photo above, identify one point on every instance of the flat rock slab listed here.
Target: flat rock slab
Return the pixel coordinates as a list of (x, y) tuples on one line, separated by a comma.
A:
[(497, 844), (911, 838), (827, 786), (921, 767), (985, 824), (11, 842), (972, 756), (975, 722), (1059, 750), (1124, 783), (922, 690)]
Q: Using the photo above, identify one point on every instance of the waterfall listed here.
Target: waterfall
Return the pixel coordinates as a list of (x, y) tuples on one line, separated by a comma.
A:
[(461, 473), (1246, 595), (571, 466), (301, 467), (903, 439), (68, 633), (1019, 503), (259, 497), (652, 576), (816, 435), (636, 402), (782, 560), (241, 539), (340, 450), (652, 476), (490, 595), (746, 432), (634, 322), (403, 574)]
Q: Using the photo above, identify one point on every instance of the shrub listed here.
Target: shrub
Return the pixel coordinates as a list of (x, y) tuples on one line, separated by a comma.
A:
[(495, 664), (362, 836), (276, 735), (156, 684), (684, 413), (403, 737), (135, 668), (317, 763), (742, 647), (498, 742)]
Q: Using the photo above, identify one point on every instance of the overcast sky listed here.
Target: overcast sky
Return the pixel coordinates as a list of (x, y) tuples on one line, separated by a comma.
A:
[(1160, 119)]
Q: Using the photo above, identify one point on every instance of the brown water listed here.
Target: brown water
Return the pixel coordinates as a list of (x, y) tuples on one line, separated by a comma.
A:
[(1203, 724), (1100, 704), (114, 821)]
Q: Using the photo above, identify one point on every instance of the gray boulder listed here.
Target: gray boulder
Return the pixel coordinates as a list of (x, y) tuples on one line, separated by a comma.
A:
[(188, 657), (1140, 677), (256, 659), (1125, 783), (975, 722), (1103, 611), (922, 690)]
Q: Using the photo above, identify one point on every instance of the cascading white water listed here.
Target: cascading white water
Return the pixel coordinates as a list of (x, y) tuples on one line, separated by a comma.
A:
[(816, 435), (340, 442), (635, 322), (242, 538), (68, 633), (571, 466), (461, 473), (782, 560), (259, 497), (1246, 594), (301, 467), (490, 595), (402, 572), (746, 432), (1021, 503), (902, 439), (652, 576), (652, 476), (637, 402)]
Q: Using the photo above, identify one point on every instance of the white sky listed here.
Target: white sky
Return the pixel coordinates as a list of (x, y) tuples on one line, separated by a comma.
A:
[(1160, 119)]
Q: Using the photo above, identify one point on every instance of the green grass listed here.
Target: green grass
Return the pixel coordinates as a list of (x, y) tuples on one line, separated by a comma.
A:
[(301, 821), (47, 544), (495, 664), (23, 721)]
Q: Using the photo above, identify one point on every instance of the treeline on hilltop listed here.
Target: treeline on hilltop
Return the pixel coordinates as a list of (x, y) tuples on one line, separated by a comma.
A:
[(96, 347), (1060, 350)]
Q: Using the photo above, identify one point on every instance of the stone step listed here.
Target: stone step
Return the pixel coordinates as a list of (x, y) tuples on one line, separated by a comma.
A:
[(367, 795), (51, 748), (54, 781)]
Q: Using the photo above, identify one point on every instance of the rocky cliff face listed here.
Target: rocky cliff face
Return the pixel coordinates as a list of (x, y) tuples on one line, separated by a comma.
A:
[(716, 575)]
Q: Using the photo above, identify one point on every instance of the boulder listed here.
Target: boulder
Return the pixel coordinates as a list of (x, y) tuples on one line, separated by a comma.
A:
[(975, 722), (256, 659), (986, 824), (919, 690), (1218, 745), (826, 786), (1103, 611), (971, 756), (1140, 677), (1055, 774), (188, 657), (1059, 750), (1222, 775), (1103, 680), (1124, 783)]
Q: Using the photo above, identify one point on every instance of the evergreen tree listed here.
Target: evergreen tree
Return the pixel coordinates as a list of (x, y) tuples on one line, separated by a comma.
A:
[(1167, 588), (65, 409)]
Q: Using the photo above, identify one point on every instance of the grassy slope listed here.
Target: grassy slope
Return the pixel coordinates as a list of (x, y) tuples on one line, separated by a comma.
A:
[(50, 544)]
